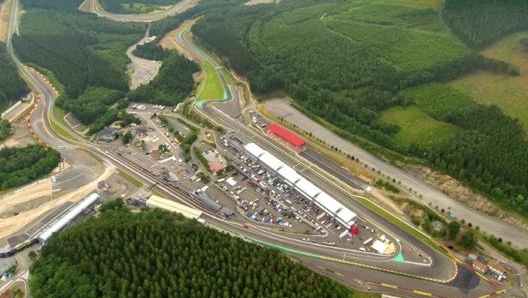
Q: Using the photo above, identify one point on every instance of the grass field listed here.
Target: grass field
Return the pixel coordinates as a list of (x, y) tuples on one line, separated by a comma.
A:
[(438, 100), (508, 93), (211, 87), (416, 127)]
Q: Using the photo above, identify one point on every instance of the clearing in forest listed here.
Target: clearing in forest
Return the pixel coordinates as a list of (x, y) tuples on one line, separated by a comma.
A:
[(506, 92), (417, 128)]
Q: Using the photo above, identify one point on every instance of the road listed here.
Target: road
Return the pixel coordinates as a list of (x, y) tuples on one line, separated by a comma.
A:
[(179, 7), (430, 194)]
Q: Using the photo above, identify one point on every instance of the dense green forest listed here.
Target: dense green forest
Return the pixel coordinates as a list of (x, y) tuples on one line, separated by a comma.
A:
[(19, 166), (367, 71), (5, 129), (481, 22), (12, 88), (172, 85), (157, 254), (151, 51), (135, 6), (85, 53)]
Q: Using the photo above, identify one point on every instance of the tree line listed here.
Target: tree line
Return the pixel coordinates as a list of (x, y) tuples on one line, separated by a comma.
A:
[(19, 166), (481, 22), (157, 254), (12, 88), (5, 129), (491, 155)]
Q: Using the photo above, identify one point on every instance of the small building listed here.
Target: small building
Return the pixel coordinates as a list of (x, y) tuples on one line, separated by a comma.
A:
[(497, 269), (479, 266), (293, 140), (216, 166), (107, 135)]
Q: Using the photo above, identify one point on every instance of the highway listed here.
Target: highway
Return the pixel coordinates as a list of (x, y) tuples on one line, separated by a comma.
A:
[(443, 268)]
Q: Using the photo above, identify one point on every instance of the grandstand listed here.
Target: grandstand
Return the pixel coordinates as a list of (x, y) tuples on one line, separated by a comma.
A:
[(162, 203), (66, 218), (342, 214)]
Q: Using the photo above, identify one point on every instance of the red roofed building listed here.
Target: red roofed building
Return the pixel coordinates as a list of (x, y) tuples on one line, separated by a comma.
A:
[(292, 139), (216, 166)]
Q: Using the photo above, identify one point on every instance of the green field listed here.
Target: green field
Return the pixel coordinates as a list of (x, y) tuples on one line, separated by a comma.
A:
[(507, 92), (437, 100), (416, 127), (211, 87)]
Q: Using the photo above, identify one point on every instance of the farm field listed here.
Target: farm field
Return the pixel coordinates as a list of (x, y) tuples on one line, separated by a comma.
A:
[(417, 128), (211, 87), (507, 92)]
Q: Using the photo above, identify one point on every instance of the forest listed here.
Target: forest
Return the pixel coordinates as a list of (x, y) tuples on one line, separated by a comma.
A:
[(481, 22), (352, 83), (5, 129), (135, 6), (172, 85), (19, 166), (85, 53), (151, 51), (157, 254), (12, 88)]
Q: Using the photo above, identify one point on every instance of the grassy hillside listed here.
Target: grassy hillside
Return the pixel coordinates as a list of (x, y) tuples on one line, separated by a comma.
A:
[(157, 254), (417, 128), (508, 93)]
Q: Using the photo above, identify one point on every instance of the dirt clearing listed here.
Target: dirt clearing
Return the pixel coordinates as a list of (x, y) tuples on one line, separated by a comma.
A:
[(170, 41), (25, 205), (5, 8)]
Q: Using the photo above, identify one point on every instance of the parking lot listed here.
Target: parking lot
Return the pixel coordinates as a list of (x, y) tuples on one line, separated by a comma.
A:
[(261, 197), (265, 198)]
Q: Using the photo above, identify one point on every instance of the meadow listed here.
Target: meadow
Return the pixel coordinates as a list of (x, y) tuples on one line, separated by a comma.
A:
[(438, 100), (211, 87), (507, 92), (417, 128)]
